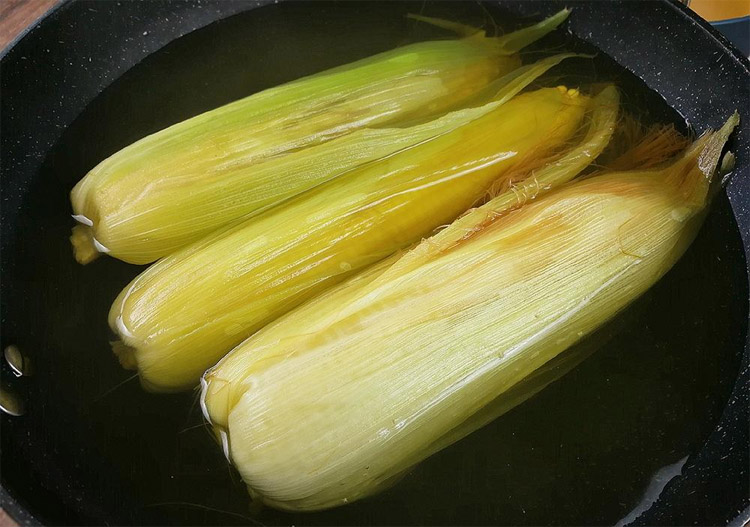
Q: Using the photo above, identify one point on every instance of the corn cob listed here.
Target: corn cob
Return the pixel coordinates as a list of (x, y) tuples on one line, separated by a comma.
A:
[(600, 129), (227, 375), (185, 312), (178, 185), (339, 397)]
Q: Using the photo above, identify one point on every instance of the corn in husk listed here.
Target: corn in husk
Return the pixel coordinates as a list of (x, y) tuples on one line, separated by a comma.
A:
[(339, 397), (178, 185), (184, 313)]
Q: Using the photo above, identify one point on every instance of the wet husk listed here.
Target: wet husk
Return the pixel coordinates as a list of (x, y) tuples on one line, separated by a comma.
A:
[(185, 312), (180, 184), (336, 399)]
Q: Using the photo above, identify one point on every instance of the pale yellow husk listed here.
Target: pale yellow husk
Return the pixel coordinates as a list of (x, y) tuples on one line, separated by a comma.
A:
[(335, 400)]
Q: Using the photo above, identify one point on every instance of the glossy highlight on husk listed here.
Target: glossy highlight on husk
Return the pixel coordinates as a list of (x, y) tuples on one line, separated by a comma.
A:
[(180, 184), (186, 311)]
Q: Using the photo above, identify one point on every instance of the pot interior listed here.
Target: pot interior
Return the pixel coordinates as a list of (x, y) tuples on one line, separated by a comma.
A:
[(93, 447)]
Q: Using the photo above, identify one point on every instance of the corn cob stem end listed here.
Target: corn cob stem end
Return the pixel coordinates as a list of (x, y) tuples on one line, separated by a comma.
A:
[(125, 354), (84, 244)]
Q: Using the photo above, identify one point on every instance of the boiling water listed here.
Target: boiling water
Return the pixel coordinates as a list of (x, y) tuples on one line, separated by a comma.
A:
[(583, 451)]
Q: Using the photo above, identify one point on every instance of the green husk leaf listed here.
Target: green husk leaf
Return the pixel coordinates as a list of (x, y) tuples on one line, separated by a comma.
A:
[(507, 44), (175, 186)]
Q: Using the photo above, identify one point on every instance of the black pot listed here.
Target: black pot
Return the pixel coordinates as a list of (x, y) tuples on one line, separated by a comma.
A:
[(671, 389)]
